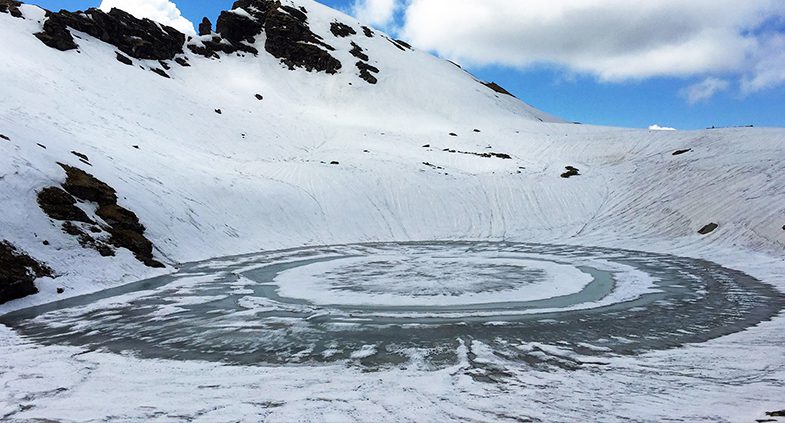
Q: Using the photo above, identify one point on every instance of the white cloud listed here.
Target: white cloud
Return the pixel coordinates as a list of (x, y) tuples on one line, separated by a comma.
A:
[(162, 11), (656, 127), (375, 12), (704, 90), (614, 40), (769, 68)]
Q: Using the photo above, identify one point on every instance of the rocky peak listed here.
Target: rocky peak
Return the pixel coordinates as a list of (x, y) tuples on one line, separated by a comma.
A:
[(289, 37), (139, 38)]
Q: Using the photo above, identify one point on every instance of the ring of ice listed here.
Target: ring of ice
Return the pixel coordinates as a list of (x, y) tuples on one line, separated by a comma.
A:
[(386, 303)]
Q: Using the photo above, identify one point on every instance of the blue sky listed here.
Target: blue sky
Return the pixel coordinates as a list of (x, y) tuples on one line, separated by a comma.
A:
[(568, 90)]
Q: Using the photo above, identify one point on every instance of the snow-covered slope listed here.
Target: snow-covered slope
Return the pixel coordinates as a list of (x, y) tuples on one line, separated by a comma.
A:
[(258, 175), (331, 158)]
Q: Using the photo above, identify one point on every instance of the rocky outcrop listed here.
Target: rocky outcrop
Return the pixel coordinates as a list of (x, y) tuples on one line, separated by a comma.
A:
[(341, 30), (288, 36), (570, 172), (498, 88), (358, 52), (60, 205), (138, 38), (123, 226), (365, 72), (11, 7), (18, 272), (205, 27)]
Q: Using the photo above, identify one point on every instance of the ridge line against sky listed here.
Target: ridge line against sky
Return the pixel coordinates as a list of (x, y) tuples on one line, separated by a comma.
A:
[(679, 64)]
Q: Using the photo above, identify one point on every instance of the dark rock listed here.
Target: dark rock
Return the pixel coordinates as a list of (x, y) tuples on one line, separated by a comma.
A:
[(138, 38), (477, 130), (498, 88), (571, 171), (453, 134), (41, 145), (137, 244), (680, 152), (365, 72), (18, 272), (120, 218), (60, 205), (218, 111), (396, 44), (123, 59), (334, 162), (404, 44), (46, 242), (160, 72), (5, 137), (205, 27), (12, 7), (86, 187), (368, 32), (357, 52), (780, 413), (80, 155), (426, 146), (711, 227), (86, 241), (342, 30), (135, 146), (182, 62), (60, 290), (289, 37), (259, 97), (164, 65)]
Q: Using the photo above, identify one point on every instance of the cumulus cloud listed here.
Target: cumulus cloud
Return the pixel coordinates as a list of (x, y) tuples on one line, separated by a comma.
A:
[(162, 11), (614, 40), (704, 90), (375, 12), (656, 127)]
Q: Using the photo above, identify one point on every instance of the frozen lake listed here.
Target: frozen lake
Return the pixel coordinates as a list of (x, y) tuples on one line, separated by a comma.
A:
[(383, 304)]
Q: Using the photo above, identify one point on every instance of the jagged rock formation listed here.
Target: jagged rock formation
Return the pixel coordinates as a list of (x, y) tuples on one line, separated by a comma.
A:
[(289, 37), (205, 27), (12, 7), (17, 273), (138, 38)]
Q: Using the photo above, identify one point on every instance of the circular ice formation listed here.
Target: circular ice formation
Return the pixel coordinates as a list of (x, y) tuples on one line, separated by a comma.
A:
[(384, 303), (426, 280)]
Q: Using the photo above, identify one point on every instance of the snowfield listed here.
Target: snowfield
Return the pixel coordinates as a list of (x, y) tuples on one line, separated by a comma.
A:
[(330, 159)]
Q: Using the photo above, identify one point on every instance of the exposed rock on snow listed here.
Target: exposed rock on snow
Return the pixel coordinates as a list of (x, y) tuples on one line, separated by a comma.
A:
[(205, 27), (60, 205), (18, 272), (680, 152), (289, 37), (571, 171), (12, 7), (123, 59), (340, 29), (711, 227), (497, 88), (138, 38), (365, 72)]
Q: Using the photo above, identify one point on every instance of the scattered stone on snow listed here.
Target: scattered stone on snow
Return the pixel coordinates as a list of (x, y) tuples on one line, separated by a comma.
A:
[(497, 88), (711, 227), (365, 72), (571, 171), (368, 32), (680, 152)]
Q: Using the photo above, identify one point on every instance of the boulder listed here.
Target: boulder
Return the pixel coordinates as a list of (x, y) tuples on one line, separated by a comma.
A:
[(18, 272)]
